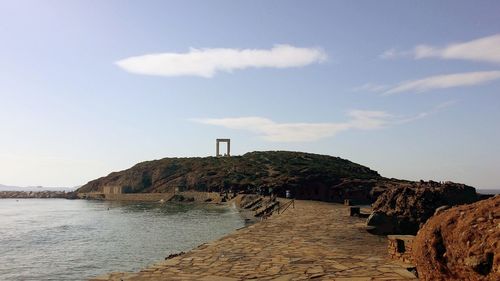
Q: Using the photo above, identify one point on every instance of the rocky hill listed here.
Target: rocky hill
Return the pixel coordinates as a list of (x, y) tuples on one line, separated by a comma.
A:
[(306, 175)]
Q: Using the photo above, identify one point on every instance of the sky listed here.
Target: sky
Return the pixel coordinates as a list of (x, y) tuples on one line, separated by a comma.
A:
[(410, 89)]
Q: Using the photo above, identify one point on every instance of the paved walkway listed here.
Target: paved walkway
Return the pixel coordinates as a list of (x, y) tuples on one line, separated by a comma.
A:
[(315, 240)]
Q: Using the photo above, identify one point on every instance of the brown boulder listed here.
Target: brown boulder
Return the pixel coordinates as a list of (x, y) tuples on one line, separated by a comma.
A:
[(403, 209), (461, 243)]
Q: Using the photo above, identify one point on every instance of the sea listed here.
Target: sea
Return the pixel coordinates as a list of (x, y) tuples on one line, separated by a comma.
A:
[(59, 239), (488, 191)]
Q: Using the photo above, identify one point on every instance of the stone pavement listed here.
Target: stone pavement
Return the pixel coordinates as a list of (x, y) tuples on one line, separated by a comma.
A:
[(314, 240)]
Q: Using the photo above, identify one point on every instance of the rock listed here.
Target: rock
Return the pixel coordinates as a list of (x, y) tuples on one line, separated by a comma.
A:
[(181, 198), (451, 246), (441, 209), (407, 207), (379, 223), (71, 195), (171, 256)]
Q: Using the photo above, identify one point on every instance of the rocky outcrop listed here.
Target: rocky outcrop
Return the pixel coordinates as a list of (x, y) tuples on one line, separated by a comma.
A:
[(405, 208), (461, 243)]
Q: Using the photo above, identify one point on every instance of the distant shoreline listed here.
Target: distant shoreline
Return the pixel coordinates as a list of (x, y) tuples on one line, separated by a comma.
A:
[(488, 191), (36, 194)]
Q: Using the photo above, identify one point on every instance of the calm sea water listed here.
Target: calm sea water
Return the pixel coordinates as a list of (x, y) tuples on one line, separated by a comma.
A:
[(58, 239)]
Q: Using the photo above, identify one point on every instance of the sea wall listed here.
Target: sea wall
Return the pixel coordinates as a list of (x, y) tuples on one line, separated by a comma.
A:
[(138, 197), (91, 195), (201, 196), (152, 197), (126, 196)]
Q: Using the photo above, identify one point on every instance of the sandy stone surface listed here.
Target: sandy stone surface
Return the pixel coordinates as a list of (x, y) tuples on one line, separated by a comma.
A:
[(314, 240)]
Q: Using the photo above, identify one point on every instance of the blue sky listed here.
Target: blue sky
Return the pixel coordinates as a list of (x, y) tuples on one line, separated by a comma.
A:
[(410, 89)]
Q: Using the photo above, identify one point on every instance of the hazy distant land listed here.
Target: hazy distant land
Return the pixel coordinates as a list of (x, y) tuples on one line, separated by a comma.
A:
[(34, 188)]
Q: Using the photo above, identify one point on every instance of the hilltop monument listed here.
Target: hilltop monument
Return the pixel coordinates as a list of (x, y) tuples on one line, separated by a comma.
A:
[(217, 147)]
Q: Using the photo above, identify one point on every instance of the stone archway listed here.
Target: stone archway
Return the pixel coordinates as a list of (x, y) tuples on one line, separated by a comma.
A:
[(217, 148)]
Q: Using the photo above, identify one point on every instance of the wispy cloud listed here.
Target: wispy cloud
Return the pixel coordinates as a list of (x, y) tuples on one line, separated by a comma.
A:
[(424, 114), (484, 49), (394, 53), (270, 130), (207, 62), (444, 81), (299, 132), (371, 87)]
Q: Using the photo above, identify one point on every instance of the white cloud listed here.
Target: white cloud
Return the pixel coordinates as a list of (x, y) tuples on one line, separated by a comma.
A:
[(270, 130), (207, 62), (485, 49), (301, 132), (444, 81)]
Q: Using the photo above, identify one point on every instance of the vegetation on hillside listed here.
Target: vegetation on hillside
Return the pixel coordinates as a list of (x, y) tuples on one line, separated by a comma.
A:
[(250, 172)]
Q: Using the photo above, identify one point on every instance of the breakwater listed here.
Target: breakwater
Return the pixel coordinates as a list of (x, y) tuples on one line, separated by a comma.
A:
[(192, 196), (36, 194)]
